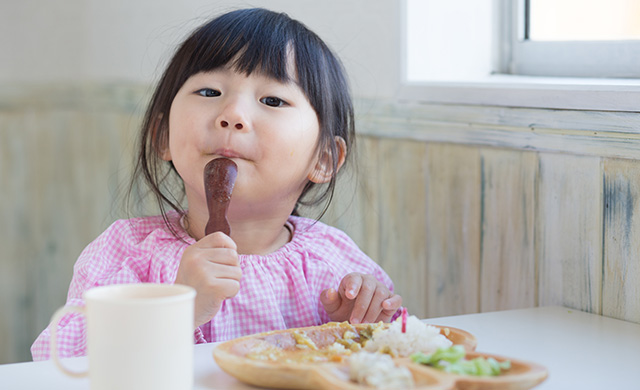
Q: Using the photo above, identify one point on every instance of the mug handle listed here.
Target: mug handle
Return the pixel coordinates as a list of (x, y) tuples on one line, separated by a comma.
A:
[(53, 329)]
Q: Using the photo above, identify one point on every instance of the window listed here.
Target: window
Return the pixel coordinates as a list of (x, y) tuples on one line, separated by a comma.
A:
[(526, 53), (574, 38), (579, 20)]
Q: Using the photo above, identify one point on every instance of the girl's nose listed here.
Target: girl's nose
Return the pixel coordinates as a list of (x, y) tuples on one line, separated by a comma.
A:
[(233, 114), (237, 125)]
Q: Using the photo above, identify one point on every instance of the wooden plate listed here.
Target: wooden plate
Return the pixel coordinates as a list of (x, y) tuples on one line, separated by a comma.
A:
[(232, 358)]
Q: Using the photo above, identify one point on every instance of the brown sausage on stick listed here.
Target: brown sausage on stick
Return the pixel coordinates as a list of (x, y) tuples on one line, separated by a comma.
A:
[(219, 178)]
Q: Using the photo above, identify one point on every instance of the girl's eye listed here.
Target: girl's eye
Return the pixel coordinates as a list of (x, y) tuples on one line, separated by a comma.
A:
[(208, 92), (272, 101)]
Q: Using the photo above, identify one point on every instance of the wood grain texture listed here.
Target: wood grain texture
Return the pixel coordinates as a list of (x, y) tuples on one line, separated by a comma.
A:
[(507, 272), (453, 229), (597, 122), (569, 232), (16, 299), (367, 202), (64, 170), (403, 228), (621, 273), (600, 134), (354, 208)]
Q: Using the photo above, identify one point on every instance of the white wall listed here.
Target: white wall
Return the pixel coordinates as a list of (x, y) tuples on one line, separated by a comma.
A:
[(63, 41)]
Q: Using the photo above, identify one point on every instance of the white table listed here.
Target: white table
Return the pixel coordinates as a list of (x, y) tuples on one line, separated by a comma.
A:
[(580, 350)]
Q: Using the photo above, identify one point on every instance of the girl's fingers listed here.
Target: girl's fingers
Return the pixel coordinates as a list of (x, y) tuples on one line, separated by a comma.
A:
[(389, 307), (225, 256), (330, 300), (375, 307), (392, 304), (227, 288), (350, 285), (217, 240), (223, 271), (363, 300), (360, 298), (211, 266)]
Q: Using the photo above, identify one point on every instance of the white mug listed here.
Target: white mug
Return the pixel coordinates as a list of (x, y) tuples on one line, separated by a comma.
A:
[(139, 336)]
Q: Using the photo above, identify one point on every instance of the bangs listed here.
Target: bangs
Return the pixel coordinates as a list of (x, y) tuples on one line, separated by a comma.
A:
[(270, 44), (249, 41)]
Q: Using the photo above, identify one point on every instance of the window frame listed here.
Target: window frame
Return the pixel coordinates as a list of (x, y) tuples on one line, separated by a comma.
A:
[(504, 89), (589, 59)]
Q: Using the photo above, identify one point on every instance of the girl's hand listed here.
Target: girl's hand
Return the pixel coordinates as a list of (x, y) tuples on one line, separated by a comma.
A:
[(211, 267), (360, 298)]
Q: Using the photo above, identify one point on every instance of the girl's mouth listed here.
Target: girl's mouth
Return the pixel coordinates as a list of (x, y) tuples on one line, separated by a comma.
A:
[(229, 153)]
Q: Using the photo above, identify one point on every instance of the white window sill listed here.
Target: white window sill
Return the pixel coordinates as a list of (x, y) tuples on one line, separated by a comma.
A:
[(534, 92)]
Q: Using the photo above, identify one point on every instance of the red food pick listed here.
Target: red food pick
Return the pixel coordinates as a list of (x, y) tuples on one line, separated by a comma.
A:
[(219, 178), (404, 320)]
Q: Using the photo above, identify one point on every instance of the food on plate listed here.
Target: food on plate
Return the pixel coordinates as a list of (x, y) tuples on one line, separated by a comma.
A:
[(219, 179), (418, 337), (343, 339), (378, 370), (330, 342), (367, 350), (452, 359), (367, 356)]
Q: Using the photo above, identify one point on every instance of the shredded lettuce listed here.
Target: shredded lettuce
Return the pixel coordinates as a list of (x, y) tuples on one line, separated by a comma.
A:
[(451, 359)]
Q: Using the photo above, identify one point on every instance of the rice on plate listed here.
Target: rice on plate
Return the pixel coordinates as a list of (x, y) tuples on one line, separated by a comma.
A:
[(374, 367), (378, 371), (418, 337)]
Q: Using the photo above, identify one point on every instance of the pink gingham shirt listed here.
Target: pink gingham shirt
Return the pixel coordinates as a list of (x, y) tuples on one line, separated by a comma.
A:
[(277, 291)]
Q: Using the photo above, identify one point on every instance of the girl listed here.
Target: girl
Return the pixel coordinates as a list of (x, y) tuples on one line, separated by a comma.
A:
[(261, 89)]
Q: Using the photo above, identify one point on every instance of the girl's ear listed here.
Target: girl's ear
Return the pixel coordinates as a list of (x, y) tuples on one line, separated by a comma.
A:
[(160, 139), (323, 171)]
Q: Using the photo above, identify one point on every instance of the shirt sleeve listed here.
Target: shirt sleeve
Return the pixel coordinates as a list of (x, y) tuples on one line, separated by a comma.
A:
[(103, 262), (71, 331), (198, 336)]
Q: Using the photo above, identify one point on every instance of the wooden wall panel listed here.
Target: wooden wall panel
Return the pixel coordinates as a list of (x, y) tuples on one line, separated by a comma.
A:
[(368, 209), (621, 274), (53, 194), (354, 208), (16, 251), (403, 230), (507, 273), (568, 132), (569, 232), (62, 171), (453, 229)]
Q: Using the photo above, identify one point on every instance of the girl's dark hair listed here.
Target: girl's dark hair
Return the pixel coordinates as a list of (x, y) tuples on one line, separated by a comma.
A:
[(249, 40)]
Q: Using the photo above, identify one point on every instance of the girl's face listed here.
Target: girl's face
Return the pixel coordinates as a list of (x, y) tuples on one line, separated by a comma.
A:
[(267, 127)]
